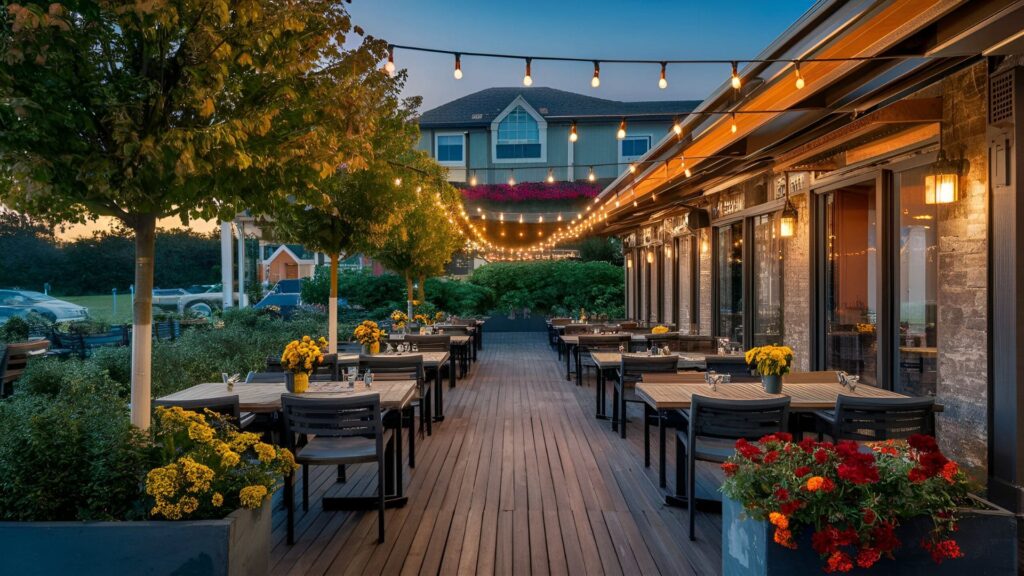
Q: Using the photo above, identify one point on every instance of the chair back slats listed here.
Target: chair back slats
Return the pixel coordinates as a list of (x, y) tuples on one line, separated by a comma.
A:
[(430, 342), (699, 344), (16, 356), (409, 366), (223, 405), (677, 378), (628, 325), (816, 377), (560, 321), (591, 342), (453, 330), (734, 419), (632, 368), (576, 329), (327, 370), (337, 417), (870, 419), (264, 377)]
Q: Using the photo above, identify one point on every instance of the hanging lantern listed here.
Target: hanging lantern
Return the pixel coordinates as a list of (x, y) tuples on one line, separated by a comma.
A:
[(787, 224), (942, 183)]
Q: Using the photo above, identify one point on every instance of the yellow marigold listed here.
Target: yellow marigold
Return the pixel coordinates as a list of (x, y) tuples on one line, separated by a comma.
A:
[(200, 432), (230, 459), (252, 496), (778, 519), (240, 441), (659, 330), (162, 482), (197, 475), (287, 460), (188, 504), (814, 483), (217, 500), (265, 452)]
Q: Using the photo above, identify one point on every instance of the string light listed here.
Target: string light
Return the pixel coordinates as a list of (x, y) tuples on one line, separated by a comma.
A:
[(472, 179), (663, 82), (677, 127), (734, 128), (559, 216), (551, 175), (591, 176), (686, 170), (527, 79), (512, 177), (735, 80), (572, 132), (596, 80), (458, 67), (632, 167), (799, 78), (398, 181), (389, 66), (621, 134)]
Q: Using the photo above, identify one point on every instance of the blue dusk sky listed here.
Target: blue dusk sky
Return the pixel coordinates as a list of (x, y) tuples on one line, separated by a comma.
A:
[(642, 29)]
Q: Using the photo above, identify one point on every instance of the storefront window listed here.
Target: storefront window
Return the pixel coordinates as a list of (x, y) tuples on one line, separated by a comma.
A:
[(729, 267), (917, 282), (767, 268), (850, 276)]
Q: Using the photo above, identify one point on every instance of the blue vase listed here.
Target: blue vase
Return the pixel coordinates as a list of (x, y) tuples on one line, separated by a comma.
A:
[(772, 384)]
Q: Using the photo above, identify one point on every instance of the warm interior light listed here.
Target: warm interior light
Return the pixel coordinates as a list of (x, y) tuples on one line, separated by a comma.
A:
[(527, 79), (596, 80), (663, 82), (622, 129), (942, 183), (572, 133), (389, 66), (704, 245), (736, 82), (629, 262), (458, 67), (668, 251)]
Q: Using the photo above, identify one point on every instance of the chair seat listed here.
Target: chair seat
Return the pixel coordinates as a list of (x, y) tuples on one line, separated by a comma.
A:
[(339, 450), (709, 449), (245, 419), (826, 415)]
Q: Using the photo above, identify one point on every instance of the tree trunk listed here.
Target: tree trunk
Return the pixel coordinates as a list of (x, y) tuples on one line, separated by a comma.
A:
[(408, 294), (142, 320), (332, 308), (423, 281)]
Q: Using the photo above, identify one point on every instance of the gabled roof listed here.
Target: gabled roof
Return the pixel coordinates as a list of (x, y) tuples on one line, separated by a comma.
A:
[(481, 108)]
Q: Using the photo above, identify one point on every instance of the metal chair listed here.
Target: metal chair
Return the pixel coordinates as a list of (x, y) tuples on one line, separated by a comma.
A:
[(695, 343), (724, 420), (327, 371), (430, 342), (264, 377), (734, 366), (873, 419), (224, 405), (405, 368), (593, 343), (631, 371), (345, 431), (677, 378), (670, 339)]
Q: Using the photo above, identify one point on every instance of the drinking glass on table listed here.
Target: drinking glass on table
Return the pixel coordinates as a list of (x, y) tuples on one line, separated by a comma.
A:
[(621, 348), (415, 347), (353, 372), (852, 380)]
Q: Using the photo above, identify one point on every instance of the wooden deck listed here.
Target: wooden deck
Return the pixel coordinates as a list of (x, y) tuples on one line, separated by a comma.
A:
[(519, 479)]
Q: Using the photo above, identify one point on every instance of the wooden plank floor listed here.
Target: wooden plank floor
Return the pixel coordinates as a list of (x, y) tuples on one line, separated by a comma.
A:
[(519, 479)]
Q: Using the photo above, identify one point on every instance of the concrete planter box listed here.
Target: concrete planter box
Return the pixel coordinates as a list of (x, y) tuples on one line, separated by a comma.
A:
[(987, 537), (238, 545)]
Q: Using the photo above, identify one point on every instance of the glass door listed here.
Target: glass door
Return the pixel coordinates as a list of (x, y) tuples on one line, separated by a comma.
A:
[(917, 351), (767, 277), (729, 274), (850, 280)]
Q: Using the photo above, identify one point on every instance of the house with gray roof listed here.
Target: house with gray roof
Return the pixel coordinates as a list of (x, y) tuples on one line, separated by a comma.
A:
[(524, 134)]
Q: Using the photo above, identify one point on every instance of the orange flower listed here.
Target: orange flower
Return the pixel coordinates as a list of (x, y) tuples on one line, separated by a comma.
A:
[(784, 537), (779, 520), (949, 471), (815, 483)]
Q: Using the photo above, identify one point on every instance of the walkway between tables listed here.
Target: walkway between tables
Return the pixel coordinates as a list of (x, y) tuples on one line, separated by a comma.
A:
[(519, 479)]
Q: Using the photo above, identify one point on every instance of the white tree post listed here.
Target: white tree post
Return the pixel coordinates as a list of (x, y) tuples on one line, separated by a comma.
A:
[(226, 265)]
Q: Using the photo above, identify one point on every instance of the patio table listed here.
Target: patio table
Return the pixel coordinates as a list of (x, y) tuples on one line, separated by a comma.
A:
[(396, 397), (664, 398), (461, 348), (431, 359)]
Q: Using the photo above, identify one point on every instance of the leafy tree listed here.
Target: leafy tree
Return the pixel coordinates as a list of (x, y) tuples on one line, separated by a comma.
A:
[(29, 255), (555, 286), (191, 108)]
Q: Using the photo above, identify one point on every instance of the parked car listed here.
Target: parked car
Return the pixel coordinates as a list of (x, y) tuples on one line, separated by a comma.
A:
[(286, 303), (46, 306), (8, 312), (197, 300)]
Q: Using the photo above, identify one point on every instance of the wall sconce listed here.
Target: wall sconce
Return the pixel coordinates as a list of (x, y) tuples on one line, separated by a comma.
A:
[(942, 183), (787, 223), (650, 257), (668, 251), (704, 247), (629, 262)]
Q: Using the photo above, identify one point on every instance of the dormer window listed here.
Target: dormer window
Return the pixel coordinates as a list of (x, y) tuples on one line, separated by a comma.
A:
[(519, 134)]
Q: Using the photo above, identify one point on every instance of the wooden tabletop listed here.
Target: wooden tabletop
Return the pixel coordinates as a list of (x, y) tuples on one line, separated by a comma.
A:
[(574, 339), (457, 339), (606, 360), (920, 350), (430, 359), (266, 396), (804, 396)]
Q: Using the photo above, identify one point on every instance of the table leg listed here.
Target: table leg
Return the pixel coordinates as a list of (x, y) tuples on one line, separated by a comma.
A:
[(451, 374), (615, 406), (579, 367), (661, 448), (647, 436), (622, 412), (398, 457), (598, 406), (412, 437), (438, 396), (568, 353)]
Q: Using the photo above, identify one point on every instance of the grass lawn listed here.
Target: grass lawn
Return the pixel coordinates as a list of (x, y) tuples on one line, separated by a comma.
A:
[(101, 307)]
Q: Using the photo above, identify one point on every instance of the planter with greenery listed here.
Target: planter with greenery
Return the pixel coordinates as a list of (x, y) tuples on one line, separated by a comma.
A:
[(898, 508)]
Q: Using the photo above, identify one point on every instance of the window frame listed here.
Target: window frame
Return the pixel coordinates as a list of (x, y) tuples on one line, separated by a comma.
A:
[(542, 134), (623, 160), (459, 163)]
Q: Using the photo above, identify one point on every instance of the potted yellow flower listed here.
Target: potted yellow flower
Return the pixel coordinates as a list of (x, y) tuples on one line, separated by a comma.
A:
[(369, 335), (300, 358), (399, 319), (770, 362), (659, 330)]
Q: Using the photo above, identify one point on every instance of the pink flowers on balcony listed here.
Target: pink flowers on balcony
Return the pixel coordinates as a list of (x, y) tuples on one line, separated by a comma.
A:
[(529, 191)]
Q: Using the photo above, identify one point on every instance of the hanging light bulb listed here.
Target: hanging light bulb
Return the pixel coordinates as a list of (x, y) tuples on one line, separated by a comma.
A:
[(398, 181), (551, 175), (559, 216), (596, 80), (458, 67), (663, 82), (735, 80), (527, 79), (621, 134), (799, 77), (632, 167), (572, 132), (686, 169), (677, 127), (734, 128), (635, 203), (389, 66), (472, 179), (591, 177), (511, 178)]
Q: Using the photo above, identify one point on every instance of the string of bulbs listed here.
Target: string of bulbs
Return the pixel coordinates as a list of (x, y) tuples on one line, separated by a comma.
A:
[(736, 81)]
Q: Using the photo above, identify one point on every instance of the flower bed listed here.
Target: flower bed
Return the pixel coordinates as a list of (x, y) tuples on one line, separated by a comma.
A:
[(530, 191), (848, 505)]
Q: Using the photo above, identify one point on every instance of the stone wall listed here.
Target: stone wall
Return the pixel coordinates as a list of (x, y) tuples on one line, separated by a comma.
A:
[(683, 261), (796, 287), (704, 252), (962, 330)]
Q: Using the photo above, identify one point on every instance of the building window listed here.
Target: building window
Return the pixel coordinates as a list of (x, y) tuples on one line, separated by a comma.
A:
[(917, 280), (729, 270), (450, 149), (851, 281), (767, 277), (633, 147), (518, 137)]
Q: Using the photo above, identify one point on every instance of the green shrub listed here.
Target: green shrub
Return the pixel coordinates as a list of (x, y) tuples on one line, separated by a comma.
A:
[(16, 329), (555, 286), (458, 297), (49, 376), (71, 454)]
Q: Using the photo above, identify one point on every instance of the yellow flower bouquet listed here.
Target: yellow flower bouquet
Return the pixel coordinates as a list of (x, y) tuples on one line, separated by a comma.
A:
[(301, 357), (209, 468), (423, 320), (770, 360), (369, 335), (399, 319), (659, 330)]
